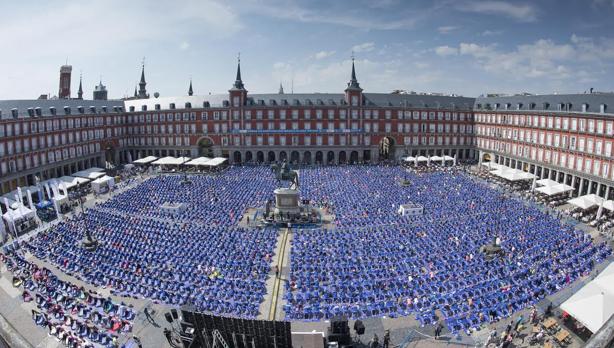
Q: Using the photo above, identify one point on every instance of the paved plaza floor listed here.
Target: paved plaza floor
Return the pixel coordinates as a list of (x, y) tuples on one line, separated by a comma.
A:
[(404, 332)]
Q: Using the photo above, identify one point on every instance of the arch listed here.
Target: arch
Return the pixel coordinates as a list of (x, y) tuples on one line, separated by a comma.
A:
[(295, 157), (249, 156), (236, 157), (205, 146), (319, 157), (283, 156), (260, 157), (486, 157), (354, 157), (366, 156), (386, 148), (271, 156), (307, 157), (342, 157), (330, 157)]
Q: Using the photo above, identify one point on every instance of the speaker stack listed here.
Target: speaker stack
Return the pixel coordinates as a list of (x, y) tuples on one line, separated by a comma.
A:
[(339, 332)]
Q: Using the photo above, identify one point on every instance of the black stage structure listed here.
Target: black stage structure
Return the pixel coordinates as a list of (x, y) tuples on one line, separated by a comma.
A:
[(208, 331)]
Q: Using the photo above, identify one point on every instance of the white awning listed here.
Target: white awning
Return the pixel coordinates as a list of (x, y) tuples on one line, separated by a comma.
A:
[(409, 159), (593, 304), (22, 212), (512, 174), (554, 189), (145, 160), (169, 160), (546, 182), (609, 205), (72, 181), (24, 191), (436, 158), (216, 161), (91, 173), (200, 161), (102, 182), (422, 159), (448, 158), (586, 202), (493, 165)]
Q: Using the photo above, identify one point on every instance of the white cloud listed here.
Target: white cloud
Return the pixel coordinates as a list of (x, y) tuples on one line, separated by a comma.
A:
[(491, 32), (446, 51), (446, 29), (323, 54), (184, 45), (516, 11), (542, 58), (364, 47)]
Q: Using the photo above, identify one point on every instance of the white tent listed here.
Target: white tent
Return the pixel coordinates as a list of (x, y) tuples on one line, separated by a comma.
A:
[(593, 304), (547, 182), (436, 158), (512, 174), (409, 159), (91, 173), (71, 181), (493, 165), (169, 160), (609, 205), (216, 161), (587, 201), (422, 159), (554, 189), (99, 183), (200, 161), (145, 160), (448, 158), (14, 216)]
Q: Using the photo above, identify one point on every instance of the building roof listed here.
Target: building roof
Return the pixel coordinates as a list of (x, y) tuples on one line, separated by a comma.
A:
[(307, 99), (549, 103), (42, 108)]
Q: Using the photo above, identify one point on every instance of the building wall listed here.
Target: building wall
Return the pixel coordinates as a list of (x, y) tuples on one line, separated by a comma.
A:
[(570, 147)]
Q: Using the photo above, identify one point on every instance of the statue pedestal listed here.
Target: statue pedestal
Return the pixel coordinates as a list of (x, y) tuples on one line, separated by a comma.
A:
[(286, 201)]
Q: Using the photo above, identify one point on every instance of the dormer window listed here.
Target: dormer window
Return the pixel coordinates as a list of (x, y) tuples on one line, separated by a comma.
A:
[(143, 107), (171, 106), (508, 106), (188, 105), (14, 113), (532, 106), (131, 109), (53, 111), (104, 109), (81, 109), (225, 103), (206, 104), (93, 109), (31, 112), (519, 106), (38, 112), (67, 110), (584, 107), (157, 107), (497, 105), (603, 108), (546, 106)]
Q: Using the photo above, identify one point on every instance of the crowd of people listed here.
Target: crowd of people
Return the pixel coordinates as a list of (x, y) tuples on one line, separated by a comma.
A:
[(377, 263), (73, 315), (373, 263)]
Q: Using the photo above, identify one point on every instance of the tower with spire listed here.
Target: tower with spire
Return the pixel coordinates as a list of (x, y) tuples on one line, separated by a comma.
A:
[(142, 84), (190, 90), (238, 93), (281, 88), (353, 92), (80, 91)]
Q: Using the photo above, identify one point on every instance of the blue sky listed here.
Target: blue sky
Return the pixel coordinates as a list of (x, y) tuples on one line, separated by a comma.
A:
[(466, 47)]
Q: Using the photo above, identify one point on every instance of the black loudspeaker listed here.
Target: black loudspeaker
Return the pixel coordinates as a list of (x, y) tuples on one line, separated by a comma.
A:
[(339, 331), (174, 313), (168, 317), (359, 327)]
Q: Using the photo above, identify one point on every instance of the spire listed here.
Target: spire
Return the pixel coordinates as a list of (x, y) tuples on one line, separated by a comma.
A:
[(80, 91), (142, 90), (353, 84), (281, 88), (135, 95), (238, 82), (190, 90)]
